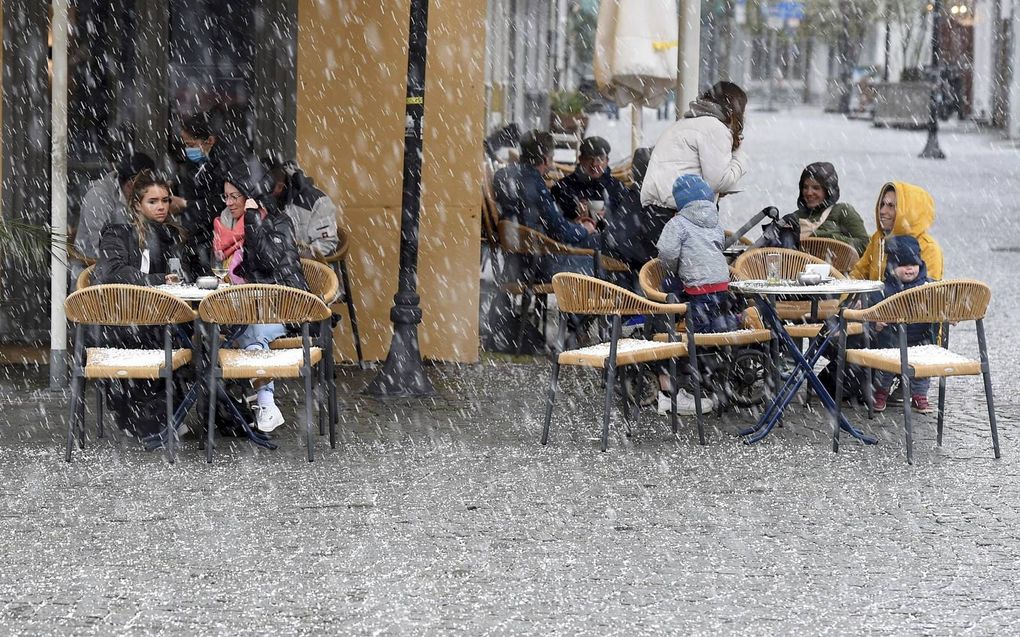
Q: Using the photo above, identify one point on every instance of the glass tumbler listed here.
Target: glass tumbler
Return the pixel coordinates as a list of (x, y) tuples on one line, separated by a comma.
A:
[(772, 260)]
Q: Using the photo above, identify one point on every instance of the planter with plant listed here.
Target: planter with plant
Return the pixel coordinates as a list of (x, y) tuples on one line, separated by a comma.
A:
[(567, 109)]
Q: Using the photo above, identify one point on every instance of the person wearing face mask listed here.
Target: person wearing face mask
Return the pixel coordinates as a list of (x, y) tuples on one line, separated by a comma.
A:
[(820, 212), (201, 183), (590, 192), (902, 210)]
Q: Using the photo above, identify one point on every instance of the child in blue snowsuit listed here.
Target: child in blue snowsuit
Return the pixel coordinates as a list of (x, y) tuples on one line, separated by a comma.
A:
[(905, 269)]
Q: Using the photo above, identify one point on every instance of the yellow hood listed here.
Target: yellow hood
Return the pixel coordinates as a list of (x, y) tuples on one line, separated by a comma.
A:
[(915, 209)]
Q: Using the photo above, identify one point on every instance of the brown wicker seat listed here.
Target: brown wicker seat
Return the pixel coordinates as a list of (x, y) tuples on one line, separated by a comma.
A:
[(579, 294), (518, 239), (85, 278), (260, 304), (943, 303), (842, 256), (124, 305), (338, 261)]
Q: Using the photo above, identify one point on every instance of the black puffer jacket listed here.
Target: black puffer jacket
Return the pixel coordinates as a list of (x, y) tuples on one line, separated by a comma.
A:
[(270, 251), (120, 256), (270, 247)]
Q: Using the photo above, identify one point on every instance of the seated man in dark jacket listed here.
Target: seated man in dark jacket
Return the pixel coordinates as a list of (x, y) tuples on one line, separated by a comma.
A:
[(523, 197), (590, 182)]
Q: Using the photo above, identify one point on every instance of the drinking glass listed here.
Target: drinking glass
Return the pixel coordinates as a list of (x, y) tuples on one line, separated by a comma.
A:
[(772, 261)]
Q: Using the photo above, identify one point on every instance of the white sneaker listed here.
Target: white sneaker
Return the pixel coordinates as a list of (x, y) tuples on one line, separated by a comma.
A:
[(267, 417), (684, 404)]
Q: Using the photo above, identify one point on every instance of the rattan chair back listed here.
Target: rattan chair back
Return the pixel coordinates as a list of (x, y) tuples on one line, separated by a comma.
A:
[(343, 247), (942, 302), (580, 294), (259, 303), (321, 280), (751, 264), (840, 254), (118, 304), (650, 277), (517, 238), (85, 278)]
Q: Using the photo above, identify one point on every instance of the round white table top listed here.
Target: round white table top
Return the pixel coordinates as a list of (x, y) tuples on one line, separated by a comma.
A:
[(834, 287), (189, 293)]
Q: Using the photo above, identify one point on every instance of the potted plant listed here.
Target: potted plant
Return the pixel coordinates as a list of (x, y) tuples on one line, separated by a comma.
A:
[(567, 108)]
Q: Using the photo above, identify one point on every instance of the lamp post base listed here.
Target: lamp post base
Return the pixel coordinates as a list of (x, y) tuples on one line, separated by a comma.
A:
[(931, 148), (403, 375)]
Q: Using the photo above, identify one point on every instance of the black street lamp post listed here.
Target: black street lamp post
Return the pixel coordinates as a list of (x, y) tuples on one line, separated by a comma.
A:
[(931, 148), (403, 374)]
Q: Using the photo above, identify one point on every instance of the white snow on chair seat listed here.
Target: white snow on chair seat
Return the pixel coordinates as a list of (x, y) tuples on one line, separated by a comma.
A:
[(126, 358), (923, 355), (623, 346), (265, 357)]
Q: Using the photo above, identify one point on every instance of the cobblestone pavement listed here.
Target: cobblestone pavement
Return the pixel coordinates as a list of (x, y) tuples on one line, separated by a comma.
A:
[(445, 515)]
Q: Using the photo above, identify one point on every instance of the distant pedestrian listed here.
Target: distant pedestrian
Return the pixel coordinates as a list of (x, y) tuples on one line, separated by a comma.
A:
[(706, 142), (902, 210), (820, 212)]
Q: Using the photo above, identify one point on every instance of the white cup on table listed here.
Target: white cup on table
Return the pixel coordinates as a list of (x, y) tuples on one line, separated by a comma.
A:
[(821, 269)]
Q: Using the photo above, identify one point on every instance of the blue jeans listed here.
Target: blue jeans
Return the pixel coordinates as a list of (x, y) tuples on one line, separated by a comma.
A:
[(258, 336)]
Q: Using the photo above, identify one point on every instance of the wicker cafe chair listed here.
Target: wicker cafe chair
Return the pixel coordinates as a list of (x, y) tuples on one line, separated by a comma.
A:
[(338, 261), (579, 294), (752, 333), (322, 282), (842, 256), (943, 303), (123, 305), (751, 265), (518, 239), (252, 304), (85, 278)]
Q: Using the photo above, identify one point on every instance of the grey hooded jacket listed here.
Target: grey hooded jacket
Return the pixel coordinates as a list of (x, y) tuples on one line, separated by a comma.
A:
[(691, 246)]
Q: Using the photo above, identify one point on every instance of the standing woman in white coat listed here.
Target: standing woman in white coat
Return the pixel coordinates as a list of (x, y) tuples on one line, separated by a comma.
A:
[(706, 142)]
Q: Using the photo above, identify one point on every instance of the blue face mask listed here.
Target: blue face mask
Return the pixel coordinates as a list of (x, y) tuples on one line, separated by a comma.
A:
[(194, 155)]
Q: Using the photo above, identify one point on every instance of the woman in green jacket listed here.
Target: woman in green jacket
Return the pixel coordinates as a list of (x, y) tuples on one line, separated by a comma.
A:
[(819, 213)]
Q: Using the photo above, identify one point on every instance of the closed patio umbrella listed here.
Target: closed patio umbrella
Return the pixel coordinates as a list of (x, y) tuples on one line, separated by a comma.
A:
[(635, 59)]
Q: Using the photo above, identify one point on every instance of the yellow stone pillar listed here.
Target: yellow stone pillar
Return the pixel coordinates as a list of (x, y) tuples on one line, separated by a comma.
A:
[(352, 70)]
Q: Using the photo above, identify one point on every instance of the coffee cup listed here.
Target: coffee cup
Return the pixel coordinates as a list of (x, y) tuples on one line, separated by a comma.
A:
[(596, 207), (821, 269)]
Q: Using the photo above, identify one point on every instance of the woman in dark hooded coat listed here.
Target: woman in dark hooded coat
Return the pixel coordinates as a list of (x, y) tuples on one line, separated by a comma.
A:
[(819, 213)]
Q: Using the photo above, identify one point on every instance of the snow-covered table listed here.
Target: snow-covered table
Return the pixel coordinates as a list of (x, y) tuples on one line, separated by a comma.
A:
[(765, 295)]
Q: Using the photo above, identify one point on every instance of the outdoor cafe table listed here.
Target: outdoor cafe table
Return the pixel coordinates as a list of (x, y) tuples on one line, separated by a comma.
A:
[(194, 296), (765, 295)]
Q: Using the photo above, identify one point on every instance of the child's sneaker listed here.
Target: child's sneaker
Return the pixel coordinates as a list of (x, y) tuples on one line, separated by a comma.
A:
[(684, 404), (881, 397), (919, 403)]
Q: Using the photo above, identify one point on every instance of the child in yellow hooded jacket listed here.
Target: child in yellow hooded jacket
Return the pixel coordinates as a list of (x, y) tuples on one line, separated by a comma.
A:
[(902, 209)]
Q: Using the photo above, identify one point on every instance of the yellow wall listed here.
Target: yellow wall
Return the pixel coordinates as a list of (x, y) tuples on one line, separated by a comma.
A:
[(352, 71)]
